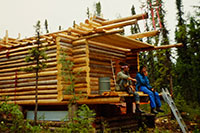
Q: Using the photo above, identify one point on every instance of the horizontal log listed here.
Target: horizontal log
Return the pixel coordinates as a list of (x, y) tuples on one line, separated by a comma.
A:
[(98, 51), (102, 32), (24, 48), (67, 36), (81, 69), (19, 68), (138, 17), (79, 51), (78, 31), (66, 40), (27, 79), (99, 100), (20, 64), (103, 57), (145, 34), (116, 25), (79, 42), (22, 72), (80, 60), (29, 84), (29, 92), (100, 63), (29, 97), (27, 75), (107, 46), (94, 24), (28, 88), (107, 49), (13, 58), (40, 102), (26, 52), (9, 61), (159, 47)]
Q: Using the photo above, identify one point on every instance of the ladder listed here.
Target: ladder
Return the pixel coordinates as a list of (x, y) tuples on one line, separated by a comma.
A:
[(167, 98)]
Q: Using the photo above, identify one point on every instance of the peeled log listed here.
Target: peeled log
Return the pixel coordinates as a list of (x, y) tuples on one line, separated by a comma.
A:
[(137, 17), (145, 34), (49, 87), (51, 96), (27, 75), (116, 25), (29, 92)]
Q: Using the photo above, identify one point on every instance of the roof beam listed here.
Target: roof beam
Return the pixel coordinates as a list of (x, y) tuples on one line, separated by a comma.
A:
[(115, 25), (145, 34), (160, 47), (138, 17)]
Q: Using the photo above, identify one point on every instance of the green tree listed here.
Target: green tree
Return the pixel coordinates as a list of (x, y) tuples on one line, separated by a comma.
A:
[(98, 8), (187, 66), (88, 12), (46, 26), (35, 56)]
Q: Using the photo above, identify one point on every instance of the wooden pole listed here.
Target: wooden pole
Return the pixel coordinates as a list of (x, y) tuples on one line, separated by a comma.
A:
[(115, 25), (138, 17), (159, 47), (145, 34)]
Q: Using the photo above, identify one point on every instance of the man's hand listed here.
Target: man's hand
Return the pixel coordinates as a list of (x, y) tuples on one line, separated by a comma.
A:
[(152, 89), (134, 80)]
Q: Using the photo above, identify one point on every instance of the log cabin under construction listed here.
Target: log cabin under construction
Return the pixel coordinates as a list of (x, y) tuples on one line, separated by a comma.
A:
[(91, 45)]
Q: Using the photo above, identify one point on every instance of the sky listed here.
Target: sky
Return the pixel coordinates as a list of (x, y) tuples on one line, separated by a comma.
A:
[(19, 16)]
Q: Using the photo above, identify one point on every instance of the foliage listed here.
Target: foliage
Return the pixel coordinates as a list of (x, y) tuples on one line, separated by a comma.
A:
[(187, 67), (46, 26), (12, 119), (36, 56), (82, 123), (69, 75), (98, 9)]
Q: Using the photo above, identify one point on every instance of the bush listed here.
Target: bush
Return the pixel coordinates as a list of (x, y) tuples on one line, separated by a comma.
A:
[(12, 120), (82, 123)]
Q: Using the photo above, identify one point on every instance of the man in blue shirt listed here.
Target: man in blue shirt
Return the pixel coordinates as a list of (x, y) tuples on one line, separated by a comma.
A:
[(124, 83), (144, 86)]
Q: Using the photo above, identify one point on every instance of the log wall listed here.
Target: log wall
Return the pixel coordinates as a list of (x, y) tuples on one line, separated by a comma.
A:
[(20, 85), (100, 64)]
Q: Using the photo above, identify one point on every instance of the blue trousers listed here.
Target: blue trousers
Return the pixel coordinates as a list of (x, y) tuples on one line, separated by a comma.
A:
[(153, 96)]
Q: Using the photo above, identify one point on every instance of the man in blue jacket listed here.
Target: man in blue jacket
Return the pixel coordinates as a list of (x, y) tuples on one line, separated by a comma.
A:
[(144, 86)]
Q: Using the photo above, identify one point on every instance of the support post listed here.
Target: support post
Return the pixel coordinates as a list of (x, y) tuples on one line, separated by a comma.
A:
[(129, 105)]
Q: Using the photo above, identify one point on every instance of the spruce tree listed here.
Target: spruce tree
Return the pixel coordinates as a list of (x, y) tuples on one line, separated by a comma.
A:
[(98, 9), (35, 56), (46, 26)]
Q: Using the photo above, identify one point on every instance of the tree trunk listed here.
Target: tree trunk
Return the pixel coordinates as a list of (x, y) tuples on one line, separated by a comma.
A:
[(72, 110)]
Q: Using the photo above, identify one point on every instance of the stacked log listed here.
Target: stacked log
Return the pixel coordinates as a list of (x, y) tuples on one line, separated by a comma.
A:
[(124, 123), (19, 85), (132, 59), (100, 64), (79, 54)]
